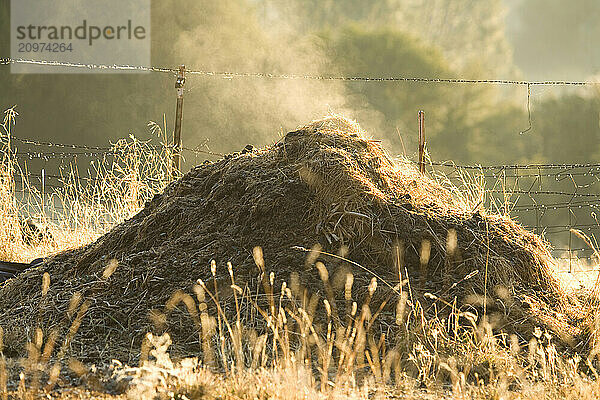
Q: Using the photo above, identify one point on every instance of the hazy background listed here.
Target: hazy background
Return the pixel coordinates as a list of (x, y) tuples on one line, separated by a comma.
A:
[(510, 39)]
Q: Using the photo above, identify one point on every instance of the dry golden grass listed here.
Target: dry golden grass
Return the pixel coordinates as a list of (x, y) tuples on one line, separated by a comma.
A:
[(83, 207), (440, 356), (343, 362)]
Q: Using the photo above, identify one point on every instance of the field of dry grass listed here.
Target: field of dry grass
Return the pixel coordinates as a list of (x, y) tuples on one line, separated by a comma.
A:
[(283, 352)]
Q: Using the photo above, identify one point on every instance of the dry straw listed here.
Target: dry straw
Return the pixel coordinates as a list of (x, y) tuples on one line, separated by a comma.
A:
[(411, 282)]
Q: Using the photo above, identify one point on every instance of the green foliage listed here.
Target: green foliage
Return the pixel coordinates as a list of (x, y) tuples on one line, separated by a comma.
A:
[(221, 36), (569, 128), (502, 137), (207, 35), (357, 51), (452, 111), (469, 33), (380, 38), (316, 15)]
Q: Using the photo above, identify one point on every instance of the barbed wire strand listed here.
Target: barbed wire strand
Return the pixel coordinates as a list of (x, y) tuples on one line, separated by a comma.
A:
[(235, 74), (548, 229)]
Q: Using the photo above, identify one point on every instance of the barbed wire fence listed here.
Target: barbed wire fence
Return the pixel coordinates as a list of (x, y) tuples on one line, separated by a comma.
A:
[(62, 167), (551, 200)]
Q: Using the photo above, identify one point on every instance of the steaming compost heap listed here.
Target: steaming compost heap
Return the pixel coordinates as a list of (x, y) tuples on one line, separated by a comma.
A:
[(326, 184)]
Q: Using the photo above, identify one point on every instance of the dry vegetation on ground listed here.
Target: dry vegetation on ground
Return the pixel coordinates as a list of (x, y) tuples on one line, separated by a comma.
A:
[(456, 303)]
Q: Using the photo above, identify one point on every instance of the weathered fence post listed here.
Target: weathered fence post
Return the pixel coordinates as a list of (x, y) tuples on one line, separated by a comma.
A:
[(43, 181), (178, 118), (421, 118)]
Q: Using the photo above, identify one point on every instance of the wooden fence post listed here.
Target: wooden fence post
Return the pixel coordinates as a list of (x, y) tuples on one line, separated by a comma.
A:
[(178, 119), (43, 181), (421, 118)]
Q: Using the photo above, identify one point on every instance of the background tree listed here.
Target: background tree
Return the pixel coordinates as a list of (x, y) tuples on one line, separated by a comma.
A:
[(469, 33), (452, 111), (569, 128), (438, 38)]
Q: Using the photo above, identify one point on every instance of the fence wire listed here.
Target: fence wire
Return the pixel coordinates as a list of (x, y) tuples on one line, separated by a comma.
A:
[(549, 199), (266, 75), (552, 200)]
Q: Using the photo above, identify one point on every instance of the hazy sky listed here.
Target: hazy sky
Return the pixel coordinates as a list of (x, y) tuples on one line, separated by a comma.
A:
[(554, 39)]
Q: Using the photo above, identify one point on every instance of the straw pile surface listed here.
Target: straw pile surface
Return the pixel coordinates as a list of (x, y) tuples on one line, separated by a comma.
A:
[(325, 183)]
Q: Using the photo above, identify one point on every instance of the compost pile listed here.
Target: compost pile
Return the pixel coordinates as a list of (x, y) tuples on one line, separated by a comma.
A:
[(326, 183)]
